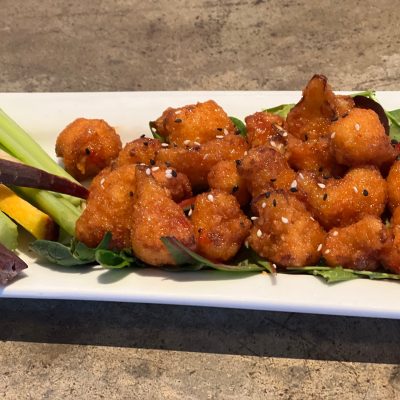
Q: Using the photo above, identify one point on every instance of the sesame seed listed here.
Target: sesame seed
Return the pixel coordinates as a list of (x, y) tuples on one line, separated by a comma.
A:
[(365, 192), (168, 176), (174, 173), (274, 203), (164, 144), (210, 197), (225, 131), (148, 171), (145, 144), (312, 219), (285, 220), (186, 142), (246, 244), (178, 120), (168, 171), (205, 156), (263, 205), (327, 251), (355, 189), (319, 247), (155, 168), (357, 127), (321, 185), (306, 137), (102, 183), (219, 129), (219, 137), (142, 164), (197, 143), (259, 233), (245, 153), (238, 162), (87, 151), (190, 212), (274, 265), (272, 143), (267, 194), (293, 184), (152, 162), (333, 135), (178, 111), (301, 176), (325, 196), (235, 189), (335, 233), (272, 180), (142, 136), (284, 133), (293, 190)]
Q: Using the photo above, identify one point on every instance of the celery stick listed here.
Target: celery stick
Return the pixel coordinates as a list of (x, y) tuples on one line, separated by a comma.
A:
[(21, 145), (8, 232)]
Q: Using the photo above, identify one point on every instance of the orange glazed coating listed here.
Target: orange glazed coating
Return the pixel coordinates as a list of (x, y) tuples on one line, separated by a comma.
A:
[(199, 123), (261, 128), (264, 168), (390, 256), (356, 246), (142, 150), (156, 215), (393, 184), (196, 162), (285, 232), (177, 183), (220, 226), (224, 176), (108, 208), (87, 146), (339, 202), (313, 115), (360, 139)]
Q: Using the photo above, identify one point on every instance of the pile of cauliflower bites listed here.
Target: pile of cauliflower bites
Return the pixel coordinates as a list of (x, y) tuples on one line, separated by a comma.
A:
[(321, 184)]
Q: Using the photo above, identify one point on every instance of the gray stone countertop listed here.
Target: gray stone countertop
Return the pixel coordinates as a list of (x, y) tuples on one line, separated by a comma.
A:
[(93, 350)]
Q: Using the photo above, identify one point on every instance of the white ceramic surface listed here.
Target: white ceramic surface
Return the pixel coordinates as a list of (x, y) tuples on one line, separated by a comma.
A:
[(44, 115)]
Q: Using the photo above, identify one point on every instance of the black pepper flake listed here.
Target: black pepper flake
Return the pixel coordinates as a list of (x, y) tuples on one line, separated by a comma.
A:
[(219, 129), (87, 151), (365, 192), (131, 194), (235, 189), (238, 162), (272, 180), (267, 194), (274, 203), (152, 162), (174, 173), (293, 190), (306, 137), (178, 120), (325, 196), (145, 143), (142, 136)]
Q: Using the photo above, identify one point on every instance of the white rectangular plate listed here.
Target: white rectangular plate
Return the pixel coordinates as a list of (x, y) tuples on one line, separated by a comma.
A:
[(44, 115)]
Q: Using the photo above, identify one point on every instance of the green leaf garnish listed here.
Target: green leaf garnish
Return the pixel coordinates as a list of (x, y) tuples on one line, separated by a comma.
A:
[(239, 125), (154, 132), (281, 110)]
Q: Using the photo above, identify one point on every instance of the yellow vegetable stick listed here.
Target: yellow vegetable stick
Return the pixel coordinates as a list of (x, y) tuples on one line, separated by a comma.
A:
[(39, 224)]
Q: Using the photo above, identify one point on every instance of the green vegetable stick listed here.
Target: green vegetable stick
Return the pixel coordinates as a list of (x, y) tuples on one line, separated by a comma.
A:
[(8, 232)]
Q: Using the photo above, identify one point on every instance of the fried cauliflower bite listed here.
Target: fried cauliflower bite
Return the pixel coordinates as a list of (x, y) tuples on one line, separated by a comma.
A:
[(224, 176), (262, 127), (156, 215), (339, 202), (142, 150), (87, 146), (313, 115), (393, 184), (196, 162), (199, 123), (360, 139), (285, 232), (390, 255), (263, 169), (357, 246), (313, 155), (220, 227), (108, 208), (177, 183)]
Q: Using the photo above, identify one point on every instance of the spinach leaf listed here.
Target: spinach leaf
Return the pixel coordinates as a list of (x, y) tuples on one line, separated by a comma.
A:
[(239, 125), (281, 110), (112, 260)]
